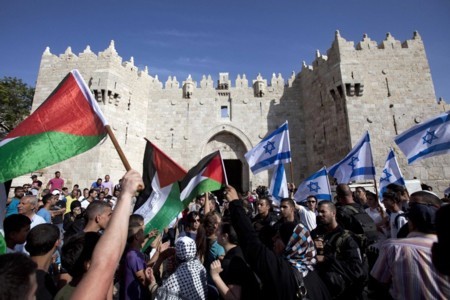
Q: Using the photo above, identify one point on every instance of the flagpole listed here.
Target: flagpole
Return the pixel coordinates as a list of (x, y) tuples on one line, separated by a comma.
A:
[(292, 171), (375, 185), (124, 160), (223, 167), (328, 182)]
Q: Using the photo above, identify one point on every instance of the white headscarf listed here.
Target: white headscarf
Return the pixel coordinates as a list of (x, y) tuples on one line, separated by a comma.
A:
[(189, 280)]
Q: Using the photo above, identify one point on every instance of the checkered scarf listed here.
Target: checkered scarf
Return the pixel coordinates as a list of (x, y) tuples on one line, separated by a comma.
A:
[(300, 250), (189, 280)]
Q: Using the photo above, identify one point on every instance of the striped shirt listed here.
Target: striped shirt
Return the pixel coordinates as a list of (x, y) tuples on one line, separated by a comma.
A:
[(406, 264)]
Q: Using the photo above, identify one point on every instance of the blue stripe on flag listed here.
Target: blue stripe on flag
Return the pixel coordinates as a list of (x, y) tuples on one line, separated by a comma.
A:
[(429, 150), (363, 171), (321, 173), (323, 197), (264, 163), (423, 127)]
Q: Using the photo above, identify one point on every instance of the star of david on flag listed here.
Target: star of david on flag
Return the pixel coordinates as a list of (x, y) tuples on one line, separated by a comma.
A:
[(391, 173), (278, 185), (427, 139), (315, 185), (273, 150), (357, 165)]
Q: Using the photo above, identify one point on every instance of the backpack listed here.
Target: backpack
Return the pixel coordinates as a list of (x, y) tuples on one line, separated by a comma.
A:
[(364, 229)]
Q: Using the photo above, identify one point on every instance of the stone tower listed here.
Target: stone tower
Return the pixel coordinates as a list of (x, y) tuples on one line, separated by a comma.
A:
[(384, 88)]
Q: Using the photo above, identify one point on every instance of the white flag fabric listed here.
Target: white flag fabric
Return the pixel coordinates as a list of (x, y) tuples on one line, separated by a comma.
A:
[(427, 139), (273, 150), (357, 165), (391, 173), (278, 185), (315, 185)]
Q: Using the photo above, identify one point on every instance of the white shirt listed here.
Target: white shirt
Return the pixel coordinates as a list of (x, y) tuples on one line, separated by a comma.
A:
[(308, 218), (400, 222)]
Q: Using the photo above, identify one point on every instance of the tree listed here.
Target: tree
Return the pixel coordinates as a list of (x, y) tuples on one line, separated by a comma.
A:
[(16, 98)]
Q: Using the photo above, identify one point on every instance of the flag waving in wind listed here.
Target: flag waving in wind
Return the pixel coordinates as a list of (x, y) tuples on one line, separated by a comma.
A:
[(273, 150), (427, 139), (208, 175), (160, 202), (278, 185), (357, 165), (315, 185), (45, 138), (391, 173)]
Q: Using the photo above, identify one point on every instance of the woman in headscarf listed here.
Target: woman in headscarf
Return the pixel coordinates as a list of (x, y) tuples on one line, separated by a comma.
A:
[(189, 279)]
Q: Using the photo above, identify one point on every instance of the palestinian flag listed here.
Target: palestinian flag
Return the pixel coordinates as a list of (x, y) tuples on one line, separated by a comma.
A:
[(160, 202), (68, 123), (208, 175)]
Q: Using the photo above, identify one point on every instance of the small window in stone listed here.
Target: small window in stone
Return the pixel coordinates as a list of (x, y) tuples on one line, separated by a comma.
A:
[(358, 89), (224, 112)]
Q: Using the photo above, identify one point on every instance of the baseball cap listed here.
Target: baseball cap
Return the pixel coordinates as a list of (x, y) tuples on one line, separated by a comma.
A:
[(56, 192)]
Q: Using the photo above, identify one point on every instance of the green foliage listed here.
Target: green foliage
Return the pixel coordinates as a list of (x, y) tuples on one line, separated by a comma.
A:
[(16, 99)]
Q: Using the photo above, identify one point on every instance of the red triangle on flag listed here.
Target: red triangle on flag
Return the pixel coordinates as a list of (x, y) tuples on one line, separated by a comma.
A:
[(167, 170), (214, 169)]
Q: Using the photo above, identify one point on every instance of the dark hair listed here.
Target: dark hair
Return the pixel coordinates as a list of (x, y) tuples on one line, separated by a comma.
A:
[(17, 188), (289, 201), (343, 190), (329, 204), (41, 239), (75, 204), (393, 196), (268, 201), (77, 250), (91, 191), (15, 223), (191, 216), (135, 220), (15, 272), (396, 188), (96, 208), (46, 198), (227, 228)]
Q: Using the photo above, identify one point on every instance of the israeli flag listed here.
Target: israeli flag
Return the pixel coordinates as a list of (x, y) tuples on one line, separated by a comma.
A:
[(357, 165), (427, 139), (273, 150), (315, 185), (391, 173), (278, 185)]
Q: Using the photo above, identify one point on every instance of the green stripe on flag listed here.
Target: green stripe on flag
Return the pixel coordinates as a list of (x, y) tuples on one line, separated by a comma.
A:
[(29, 153), (204, 186)]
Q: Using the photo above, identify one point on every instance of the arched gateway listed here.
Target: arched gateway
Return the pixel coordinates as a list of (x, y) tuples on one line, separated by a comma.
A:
[(229, 141)]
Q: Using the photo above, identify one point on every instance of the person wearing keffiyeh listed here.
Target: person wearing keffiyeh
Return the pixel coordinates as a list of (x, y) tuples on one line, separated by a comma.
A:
[(300, 250), (189, 279)]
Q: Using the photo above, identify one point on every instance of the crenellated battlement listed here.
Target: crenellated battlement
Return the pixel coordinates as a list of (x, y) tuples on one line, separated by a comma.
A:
[(384, 87)]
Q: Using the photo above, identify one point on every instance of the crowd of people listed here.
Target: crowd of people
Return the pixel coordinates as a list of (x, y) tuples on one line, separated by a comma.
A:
[(88, 244)]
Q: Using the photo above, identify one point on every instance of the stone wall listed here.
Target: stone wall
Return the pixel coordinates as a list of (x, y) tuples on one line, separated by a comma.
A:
[(384, 88)]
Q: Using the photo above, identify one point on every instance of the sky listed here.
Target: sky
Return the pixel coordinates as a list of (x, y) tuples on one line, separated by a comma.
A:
[(197, 37)]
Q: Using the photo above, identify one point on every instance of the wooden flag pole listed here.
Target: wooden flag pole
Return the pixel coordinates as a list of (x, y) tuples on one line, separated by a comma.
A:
[(122, 156), (124, 160), (292, 172)]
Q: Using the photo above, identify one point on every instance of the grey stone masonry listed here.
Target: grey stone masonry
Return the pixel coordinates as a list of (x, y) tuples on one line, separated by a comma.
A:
[(381, 87)]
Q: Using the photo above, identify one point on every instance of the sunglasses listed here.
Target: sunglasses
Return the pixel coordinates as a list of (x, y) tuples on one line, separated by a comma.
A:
[(196, 221), (311, 201)]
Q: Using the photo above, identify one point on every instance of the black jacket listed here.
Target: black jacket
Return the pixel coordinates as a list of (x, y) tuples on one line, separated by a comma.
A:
[(276, 274)]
